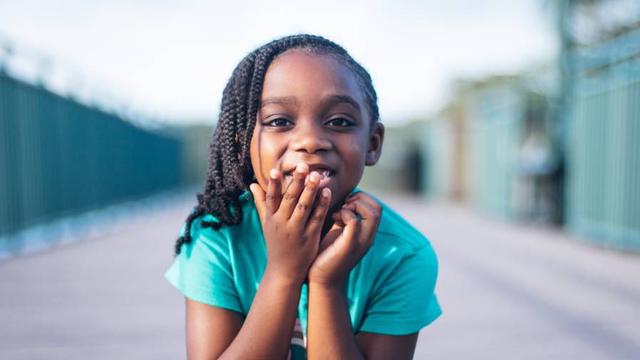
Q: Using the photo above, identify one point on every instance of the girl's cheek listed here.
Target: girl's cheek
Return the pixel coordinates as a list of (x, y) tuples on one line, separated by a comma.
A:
[(357, 146), (263, 159)]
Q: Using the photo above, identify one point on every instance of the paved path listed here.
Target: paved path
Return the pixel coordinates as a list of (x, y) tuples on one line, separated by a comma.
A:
[(508, 292)]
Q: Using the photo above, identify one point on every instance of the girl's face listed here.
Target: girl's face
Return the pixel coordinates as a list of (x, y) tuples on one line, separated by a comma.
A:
[(313, 111)]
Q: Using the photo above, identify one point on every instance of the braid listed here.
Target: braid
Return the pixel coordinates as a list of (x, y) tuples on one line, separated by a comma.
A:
[(230, 171)]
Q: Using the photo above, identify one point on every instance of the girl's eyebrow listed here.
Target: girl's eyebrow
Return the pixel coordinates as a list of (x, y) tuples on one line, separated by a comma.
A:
[(286, 100), (329, 100), (336, 99)]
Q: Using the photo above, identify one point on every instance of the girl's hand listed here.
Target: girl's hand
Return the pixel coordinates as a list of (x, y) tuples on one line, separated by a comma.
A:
[(347, 241), (290, 224)]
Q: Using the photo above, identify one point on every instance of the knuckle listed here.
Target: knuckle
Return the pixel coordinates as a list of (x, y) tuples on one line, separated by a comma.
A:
[(317, 217), (289, 197), (302, 206), (366, 210)]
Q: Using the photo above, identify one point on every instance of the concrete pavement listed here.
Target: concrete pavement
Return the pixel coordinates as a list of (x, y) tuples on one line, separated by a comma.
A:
[(507, 292)]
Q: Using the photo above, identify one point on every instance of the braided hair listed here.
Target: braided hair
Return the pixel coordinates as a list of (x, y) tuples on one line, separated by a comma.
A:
[(230, 171)]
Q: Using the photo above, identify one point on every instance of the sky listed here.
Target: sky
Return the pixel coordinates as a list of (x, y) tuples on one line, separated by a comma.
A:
[(169, 60)]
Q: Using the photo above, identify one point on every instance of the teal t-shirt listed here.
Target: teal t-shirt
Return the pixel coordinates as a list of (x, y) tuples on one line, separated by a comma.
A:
[(390, 291)]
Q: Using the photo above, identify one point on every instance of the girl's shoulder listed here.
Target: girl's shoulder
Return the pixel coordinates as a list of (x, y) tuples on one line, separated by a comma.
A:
[(397, 242), (203, 223)]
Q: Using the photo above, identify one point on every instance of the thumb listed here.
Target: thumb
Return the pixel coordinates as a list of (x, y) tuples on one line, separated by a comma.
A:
[(330, 237), (352, 225)]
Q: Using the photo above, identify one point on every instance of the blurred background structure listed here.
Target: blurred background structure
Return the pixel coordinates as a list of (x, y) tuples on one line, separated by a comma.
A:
[(61, 157), (556, 144), (525, 176), (601, 111)]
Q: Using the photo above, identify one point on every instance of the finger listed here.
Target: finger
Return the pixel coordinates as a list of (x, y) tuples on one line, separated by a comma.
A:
[(365, 206), (370, 216), (348, 216), (353, 196), (336, 229), (259, 199), (330, 237), (369, 200), (305, 201), (316, 221), (290, 197), (274, 191), (351, 230)]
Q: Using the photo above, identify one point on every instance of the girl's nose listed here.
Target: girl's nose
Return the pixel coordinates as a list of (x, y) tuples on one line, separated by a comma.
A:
[(309, 138)]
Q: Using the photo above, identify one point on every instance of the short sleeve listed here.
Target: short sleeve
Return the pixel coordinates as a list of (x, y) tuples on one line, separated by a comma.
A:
[(406, 301), (202, 271)]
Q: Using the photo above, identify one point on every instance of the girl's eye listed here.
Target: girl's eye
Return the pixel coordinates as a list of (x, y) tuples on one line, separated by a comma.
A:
[(341, 122), (279, 122)]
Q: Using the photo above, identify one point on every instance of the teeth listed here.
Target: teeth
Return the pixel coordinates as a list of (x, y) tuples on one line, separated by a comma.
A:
[(325, 173)]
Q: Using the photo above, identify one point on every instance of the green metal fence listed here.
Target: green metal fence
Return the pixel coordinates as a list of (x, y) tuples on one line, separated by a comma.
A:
[(59, 157), (438, 180), (497, 113), (491, 145), (603, 148)]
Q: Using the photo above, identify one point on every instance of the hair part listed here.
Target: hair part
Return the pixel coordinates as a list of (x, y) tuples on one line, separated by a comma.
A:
[(230, 171)]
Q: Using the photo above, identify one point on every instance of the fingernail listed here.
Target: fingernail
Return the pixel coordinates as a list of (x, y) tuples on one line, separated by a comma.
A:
[(314, 176), (274, 173), (326, 192)]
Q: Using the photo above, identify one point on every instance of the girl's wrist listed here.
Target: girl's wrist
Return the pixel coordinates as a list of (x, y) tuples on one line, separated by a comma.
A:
[(284, 280), (334, 286)]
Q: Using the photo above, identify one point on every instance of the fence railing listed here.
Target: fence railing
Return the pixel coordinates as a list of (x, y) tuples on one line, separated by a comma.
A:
[(59, 157), (603, 149)]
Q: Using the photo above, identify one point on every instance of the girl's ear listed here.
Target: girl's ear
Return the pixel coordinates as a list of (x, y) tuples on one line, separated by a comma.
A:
[(374, 149)]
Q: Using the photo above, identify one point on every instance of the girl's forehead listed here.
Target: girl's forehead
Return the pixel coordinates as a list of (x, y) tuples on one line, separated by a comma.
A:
[(299, 72)]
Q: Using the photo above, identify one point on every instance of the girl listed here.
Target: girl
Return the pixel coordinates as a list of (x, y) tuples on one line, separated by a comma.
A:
[(284, 257)]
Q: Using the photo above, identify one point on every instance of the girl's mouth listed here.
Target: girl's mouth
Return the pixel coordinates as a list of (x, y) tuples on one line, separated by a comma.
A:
[(326, 173), (326, 176)]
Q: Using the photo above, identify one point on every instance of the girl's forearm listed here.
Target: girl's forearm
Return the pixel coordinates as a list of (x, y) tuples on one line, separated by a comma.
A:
[(330, 335), (266, 332)]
